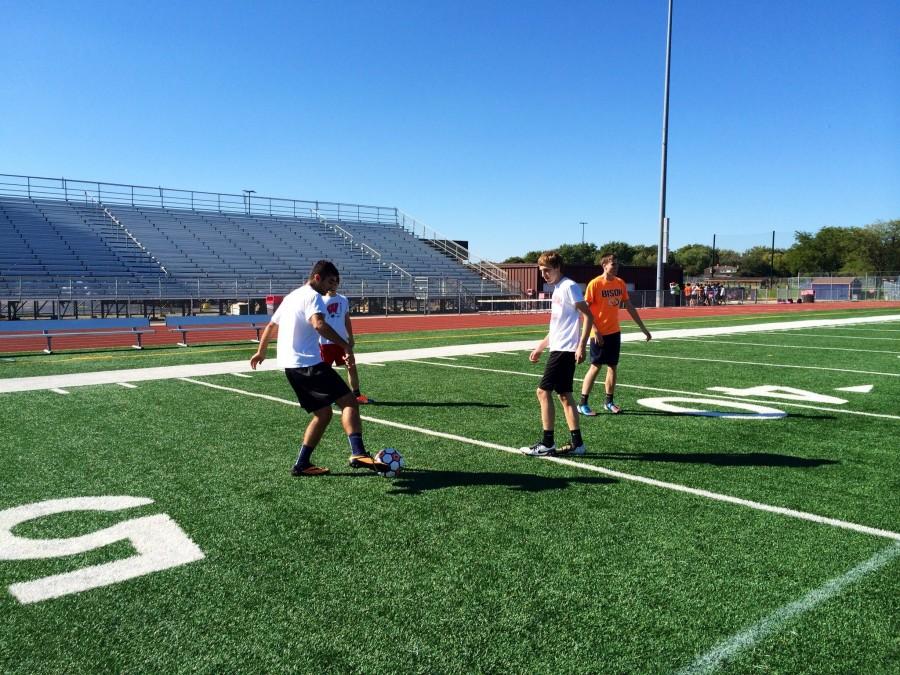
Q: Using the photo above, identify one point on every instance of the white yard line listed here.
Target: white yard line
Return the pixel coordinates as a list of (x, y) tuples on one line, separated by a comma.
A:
[(730, 397), (764, 365), (791, 513), (774, 622)]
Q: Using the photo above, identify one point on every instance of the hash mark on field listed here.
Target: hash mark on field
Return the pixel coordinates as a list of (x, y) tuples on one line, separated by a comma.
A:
[(127, 385), (791, 513), (59, 391), (727, 649), (445, 358), (241, 375)]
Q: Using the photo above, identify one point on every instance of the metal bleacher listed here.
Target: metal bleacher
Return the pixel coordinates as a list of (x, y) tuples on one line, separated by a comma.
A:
[(63, 237)]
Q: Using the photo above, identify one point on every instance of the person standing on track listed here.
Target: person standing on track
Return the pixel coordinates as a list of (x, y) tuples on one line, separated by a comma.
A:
[(605, 295)]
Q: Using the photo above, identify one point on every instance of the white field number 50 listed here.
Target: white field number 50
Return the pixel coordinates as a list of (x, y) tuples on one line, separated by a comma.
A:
[(158, 541)]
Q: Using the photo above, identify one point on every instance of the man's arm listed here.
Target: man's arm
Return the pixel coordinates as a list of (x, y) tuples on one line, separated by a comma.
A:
[(587, 323), (535, 355), (317, 321), (637, 319), (264, 339), (349, 328)]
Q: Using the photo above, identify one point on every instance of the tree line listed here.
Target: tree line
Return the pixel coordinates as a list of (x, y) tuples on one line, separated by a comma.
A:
[(832, 250)]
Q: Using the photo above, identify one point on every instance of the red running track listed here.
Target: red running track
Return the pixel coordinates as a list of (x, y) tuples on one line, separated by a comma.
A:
[(418, 322)]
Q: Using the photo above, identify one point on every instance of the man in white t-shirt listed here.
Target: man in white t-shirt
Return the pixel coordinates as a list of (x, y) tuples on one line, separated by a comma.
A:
[(300, 320), (338, 317), (567, 341)]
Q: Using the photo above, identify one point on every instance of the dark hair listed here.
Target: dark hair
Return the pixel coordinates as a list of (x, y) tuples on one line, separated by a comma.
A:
[(609, 257), (324, 268)]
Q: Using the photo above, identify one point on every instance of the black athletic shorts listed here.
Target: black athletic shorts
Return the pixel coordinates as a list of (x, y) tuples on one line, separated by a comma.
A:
[(316, 386), (559, 373), (606, 354)]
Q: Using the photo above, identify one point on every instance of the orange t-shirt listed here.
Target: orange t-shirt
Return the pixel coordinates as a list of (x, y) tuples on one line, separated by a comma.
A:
[(604, 298)]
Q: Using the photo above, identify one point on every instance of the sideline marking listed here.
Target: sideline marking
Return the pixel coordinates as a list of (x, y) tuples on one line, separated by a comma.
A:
[(846, 337), (791, 513), (668, 391), (728, 648)]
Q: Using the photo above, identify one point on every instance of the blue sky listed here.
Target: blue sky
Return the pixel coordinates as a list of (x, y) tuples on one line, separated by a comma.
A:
[(498, 122)]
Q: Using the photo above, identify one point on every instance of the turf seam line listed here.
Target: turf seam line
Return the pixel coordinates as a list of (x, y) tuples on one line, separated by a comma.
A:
[(728, 648), (801, 515)]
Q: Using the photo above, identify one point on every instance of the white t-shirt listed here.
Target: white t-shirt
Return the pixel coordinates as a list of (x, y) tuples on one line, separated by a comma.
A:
[(565, 324), (298, 341), (337, 307)]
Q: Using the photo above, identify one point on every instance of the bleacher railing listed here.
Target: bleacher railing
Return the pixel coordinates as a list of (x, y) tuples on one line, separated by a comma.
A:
[(486, 269), (34, 187)]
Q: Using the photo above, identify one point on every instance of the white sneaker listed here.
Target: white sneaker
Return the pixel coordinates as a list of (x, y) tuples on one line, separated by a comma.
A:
[(538, 450), (569, 449)]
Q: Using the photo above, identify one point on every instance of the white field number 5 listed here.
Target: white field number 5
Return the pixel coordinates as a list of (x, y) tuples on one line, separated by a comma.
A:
[(158, 541)]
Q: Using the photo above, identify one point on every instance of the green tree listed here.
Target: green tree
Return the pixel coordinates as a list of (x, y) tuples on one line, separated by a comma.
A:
[(623, 252), (644, 256), (694, 258), (578, 254)]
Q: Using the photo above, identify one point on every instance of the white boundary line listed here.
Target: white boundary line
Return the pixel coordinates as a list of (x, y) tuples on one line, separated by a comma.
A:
[(791, 513), (675, 391), (727, 649), (9, 385)]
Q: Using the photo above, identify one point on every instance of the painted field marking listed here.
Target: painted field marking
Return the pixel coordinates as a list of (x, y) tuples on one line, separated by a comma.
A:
[(706, 340), (861, 389), (242, 375), (747, 638), (379, 365), (791, 513), (127, 385), (508, 353), (59, 391), (752, 411), (481, 356), (766, 365), (445, 358), (669, 391)]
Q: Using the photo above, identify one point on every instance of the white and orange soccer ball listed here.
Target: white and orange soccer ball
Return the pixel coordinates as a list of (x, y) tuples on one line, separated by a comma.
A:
[(393, 460)]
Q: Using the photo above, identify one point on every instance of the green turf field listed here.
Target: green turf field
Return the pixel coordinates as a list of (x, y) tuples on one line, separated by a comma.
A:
[(723, 542)]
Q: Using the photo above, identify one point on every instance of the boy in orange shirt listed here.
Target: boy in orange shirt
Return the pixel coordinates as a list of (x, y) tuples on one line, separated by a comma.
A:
[(605, 295)]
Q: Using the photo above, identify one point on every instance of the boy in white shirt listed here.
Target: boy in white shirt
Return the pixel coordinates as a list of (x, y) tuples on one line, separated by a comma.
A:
[(301, 320), (338, 317), (567, 341)]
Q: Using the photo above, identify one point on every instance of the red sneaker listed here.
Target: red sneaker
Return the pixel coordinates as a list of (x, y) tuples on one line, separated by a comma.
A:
[(362, 399)]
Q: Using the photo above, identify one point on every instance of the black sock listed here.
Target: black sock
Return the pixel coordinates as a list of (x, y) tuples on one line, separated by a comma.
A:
[(576, 437), (584, 399), (548, 438), (609, 398), (303, 457), (356, 444), (356, 392)]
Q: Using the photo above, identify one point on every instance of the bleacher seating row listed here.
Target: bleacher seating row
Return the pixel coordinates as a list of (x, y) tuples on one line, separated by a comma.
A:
[(121, 249)]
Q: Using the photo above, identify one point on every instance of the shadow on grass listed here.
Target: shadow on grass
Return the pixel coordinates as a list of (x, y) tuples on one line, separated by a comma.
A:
[(718, 458), (417, 481), (436, 404)]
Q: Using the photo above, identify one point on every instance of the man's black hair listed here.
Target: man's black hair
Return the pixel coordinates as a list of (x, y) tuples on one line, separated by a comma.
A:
[(325, 268)]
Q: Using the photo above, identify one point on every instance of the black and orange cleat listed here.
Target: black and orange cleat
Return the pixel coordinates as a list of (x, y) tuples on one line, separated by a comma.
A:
[(362, 399), (309, 470), (366, 461)]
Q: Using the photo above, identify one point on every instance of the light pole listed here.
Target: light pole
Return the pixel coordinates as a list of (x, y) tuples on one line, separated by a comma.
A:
[(662, 185), (247, 194), (582, 223)]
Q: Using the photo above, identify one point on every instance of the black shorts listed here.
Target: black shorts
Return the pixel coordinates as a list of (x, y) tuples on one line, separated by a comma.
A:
[(316, 386), (606, 354), (559, 373)]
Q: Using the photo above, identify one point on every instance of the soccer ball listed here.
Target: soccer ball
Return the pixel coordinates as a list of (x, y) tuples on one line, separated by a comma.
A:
[(393, 459)]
